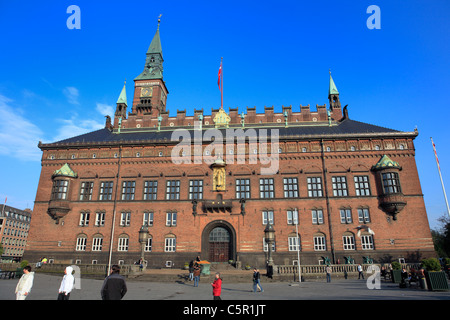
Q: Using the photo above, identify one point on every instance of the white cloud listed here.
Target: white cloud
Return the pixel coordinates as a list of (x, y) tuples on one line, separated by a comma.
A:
[(105, 109), (18, 136), (71, 94), (74, 127)]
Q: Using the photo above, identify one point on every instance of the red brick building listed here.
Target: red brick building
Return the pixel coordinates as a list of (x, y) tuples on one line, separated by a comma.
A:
[(352, 187)]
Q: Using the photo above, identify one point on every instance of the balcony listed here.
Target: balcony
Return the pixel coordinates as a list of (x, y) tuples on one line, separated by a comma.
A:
[(392, 203), (58, 209)]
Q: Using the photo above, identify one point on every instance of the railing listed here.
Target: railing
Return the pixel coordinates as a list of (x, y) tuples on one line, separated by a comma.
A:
[(335, 268)]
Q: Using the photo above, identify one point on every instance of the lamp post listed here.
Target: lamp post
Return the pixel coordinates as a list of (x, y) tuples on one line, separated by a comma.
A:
[(143, 237), (298, 245), (269, 236)]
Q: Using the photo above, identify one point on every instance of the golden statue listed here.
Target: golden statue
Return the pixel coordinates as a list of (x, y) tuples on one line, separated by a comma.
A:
[(219, 174), (219, 179)]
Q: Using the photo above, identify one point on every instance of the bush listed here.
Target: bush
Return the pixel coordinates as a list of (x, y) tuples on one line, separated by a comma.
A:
[(431, 264), (396, 265), (24, 263)]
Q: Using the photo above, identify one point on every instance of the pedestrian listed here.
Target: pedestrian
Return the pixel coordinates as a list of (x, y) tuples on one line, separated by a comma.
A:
[(25, 284), (66, 284), (191, 270), (256, 280), (217, 287), (114, 286), (328, 271), (196, 274), (360, 272)]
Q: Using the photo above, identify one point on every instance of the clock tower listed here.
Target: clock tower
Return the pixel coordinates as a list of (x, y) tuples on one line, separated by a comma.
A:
[(150, 92)]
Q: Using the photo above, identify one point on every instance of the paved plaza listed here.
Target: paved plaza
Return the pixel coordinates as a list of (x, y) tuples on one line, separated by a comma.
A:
[(46, 288)]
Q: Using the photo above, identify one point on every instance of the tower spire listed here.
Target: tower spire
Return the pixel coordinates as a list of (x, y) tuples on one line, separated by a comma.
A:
[(333, 94), (332, 89), (123, 94), (154, 61)]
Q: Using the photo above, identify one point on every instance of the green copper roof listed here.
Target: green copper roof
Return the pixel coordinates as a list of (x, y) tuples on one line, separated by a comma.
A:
[(386, 162), (154, 61), (333, 89), (155, 45), (65, 171), (123, 96)]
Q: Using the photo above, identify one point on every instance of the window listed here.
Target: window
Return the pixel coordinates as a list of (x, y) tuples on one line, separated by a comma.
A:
[(86, 190), (294, 243), (367, 242), (170, 244), (81, 243), (292, 216), (128, 188), (148, 219), (266, 189), (391, 183), (267, 216), (171, 219), (363, 215), (84, 218), (150, 190), (339, 186), (317, 216), (314, 186), (97, 243), (319, 242), (173, 190), (346, 215), (123, 243), (195, 189), (290, 186), (125, 218), (100, 219), (242, 188), (362, 187), (106, 188), (348, 241), (59, 190), (148, 245)]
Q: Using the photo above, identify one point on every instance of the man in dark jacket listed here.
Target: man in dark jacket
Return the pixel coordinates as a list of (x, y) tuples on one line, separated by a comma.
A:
[(114, 286)]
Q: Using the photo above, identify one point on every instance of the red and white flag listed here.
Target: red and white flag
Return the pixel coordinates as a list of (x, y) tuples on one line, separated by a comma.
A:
[(220, 76), (435, 154)]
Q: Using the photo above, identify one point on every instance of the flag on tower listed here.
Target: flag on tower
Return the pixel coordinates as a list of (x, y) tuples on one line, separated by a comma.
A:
[(220, 76)]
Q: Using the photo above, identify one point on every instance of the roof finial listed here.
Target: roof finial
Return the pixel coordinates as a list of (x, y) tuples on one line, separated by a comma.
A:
[(159, 20)]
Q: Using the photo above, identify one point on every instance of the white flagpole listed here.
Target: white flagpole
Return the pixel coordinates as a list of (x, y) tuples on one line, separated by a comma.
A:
[(440, 176)]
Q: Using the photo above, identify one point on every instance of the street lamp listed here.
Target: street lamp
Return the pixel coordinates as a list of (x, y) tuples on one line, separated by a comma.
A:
[(143, 237), (269, 236)]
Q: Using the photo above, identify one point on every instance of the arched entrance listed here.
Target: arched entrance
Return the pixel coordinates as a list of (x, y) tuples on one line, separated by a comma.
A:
[(219, 245), (218, 242)]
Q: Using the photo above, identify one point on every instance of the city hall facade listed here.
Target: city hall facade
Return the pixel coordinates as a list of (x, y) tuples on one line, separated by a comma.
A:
[(333, 189)]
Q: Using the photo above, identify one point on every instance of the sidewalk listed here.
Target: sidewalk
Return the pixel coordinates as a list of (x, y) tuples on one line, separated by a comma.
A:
[(46, 288)]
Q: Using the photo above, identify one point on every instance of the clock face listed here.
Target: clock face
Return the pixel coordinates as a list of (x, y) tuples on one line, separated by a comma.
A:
[(146, 92)]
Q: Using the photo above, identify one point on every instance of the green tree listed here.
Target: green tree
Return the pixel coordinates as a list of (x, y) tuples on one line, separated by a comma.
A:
[(441, 237)]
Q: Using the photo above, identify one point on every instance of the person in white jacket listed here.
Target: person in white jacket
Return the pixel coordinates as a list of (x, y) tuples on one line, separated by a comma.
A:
[(25, 284), (66, 284)]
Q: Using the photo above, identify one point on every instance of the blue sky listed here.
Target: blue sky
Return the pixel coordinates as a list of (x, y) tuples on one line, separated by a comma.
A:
[(57, 82)]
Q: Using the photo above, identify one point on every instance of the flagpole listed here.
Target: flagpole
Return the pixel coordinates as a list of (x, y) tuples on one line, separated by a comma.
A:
[(221, 85), (440, 176), (3, 209)]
